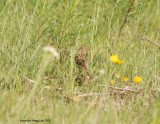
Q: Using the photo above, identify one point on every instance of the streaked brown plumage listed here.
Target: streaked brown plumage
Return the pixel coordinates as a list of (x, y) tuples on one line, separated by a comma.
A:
[(81, 58), (82, 64), (80, 79)]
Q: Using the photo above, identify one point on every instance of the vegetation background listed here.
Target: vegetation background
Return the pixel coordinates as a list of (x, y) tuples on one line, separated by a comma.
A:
[(34, 85)]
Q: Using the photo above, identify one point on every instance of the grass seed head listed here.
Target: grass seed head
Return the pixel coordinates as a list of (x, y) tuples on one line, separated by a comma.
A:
[(52, 50)]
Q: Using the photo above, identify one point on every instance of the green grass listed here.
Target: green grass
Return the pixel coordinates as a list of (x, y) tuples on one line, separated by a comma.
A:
[(66, 25)]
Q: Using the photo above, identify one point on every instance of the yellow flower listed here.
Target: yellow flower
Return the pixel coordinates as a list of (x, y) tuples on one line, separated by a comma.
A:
[(76, 99), (153, 123), (137, 79), (125, 79), (114, 59), (117, 76), (113, 82)]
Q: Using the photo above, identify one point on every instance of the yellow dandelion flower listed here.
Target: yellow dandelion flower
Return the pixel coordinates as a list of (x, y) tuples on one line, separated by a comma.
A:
[(117, 76), (137, 79), (76, 99), (125, 79), (153, 123), (115, 59), (120, 62), (113, 82)]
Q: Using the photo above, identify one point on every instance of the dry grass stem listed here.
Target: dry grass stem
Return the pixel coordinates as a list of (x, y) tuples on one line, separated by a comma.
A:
[(30, 80)]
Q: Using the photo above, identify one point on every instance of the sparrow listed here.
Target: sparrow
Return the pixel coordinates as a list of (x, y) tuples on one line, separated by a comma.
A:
[(82, 64), (81, 58), (80, 79)]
